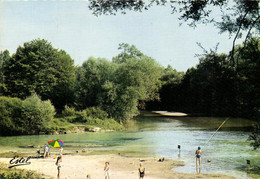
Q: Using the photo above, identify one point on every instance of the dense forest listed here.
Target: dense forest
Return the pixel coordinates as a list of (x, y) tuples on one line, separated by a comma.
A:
[(40, 82)]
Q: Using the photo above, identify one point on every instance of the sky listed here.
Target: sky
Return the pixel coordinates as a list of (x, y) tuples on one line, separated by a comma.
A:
[(71, 26)]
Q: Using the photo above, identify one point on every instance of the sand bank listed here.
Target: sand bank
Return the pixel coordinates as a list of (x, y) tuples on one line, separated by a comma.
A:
[(172, 114), (77, 167)]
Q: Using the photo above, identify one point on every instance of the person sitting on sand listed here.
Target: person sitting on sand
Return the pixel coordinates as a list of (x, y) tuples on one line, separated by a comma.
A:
[(58, 163), (88, 176), (198, 157), (141, 171), (107, 170)]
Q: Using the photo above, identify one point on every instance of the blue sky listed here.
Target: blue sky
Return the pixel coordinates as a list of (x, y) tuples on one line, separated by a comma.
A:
[(72, 27)]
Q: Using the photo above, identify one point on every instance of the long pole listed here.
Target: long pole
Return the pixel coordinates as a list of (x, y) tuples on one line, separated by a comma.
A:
[(216, 131)]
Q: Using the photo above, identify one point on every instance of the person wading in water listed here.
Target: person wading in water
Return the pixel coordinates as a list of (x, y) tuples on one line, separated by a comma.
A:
[(198, 160)]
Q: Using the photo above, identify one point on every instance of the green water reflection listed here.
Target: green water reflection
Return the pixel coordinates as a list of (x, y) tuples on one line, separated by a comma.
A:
[(159, 137)]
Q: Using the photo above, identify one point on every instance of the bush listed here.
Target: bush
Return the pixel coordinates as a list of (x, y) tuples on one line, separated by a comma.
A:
[(6, 173), (37, 113), (68, 111), (94, 116), (96, 112), (10, 116)]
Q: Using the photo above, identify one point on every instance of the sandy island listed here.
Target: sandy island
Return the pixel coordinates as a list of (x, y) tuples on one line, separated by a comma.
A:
[(78, 166)]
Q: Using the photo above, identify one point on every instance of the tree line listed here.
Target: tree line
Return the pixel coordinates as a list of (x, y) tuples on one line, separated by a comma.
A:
[(132, 81), (39, 73), (125, 84), (215, 86)]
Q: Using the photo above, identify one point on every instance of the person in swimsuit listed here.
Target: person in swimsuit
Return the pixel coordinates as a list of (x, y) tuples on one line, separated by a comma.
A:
[(198, 159), (58, 163), (141, 171), (107, 170)]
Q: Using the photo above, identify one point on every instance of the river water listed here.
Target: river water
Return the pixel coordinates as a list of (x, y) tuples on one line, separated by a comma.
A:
[(227, 151)]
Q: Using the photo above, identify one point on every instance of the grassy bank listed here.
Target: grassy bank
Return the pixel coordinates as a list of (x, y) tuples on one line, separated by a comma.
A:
[(15, 173)]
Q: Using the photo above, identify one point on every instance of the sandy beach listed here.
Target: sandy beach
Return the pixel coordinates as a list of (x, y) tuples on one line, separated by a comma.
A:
[(77, 167)]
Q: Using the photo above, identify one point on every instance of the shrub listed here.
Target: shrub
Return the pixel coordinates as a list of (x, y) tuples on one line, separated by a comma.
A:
[(68, 111), (36, 113), (10, 116), (96, 112)]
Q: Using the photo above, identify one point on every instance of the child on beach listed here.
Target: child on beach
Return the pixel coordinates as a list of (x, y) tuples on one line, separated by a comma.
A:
[(61, 151), (107, 172), (58, 163), (141, 171)]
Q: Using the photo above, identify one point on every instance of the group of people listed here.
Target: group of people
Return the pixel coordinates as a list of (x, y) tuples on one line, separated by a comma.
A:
[(107, 174)]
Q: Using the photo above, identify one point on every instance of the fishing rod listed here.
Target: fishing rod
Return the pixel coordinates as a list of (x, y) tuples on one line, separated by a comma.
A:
[(214, 135), (215, 132)]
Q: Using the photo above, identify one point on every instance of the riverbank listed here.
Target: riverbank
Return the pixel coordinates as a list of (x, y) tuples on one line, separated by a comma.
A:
[(78, 166)]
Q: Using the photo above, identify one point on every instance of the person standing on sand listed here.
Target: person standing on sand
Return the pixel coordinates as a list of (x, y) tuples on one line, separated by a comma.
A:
[(198, 159), (58, 163), (141, 171), (61, 151), (45, 155), (107, 170)]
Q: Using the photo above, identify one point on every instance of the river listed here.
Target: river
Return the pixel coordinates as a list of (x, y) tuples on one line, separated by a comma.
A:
[(227, 151)]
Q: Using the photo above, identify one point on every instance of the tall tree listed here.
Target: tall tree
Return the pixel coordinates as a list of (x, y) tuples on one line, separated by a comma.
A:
[(135, 82), (38, 67), (90, 78)]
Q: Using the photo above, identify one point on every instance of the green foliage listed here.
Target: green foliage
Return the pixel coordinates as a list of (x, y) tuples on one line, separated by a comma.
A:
[(30, 116), (119, 87), (255, 137), (38, 67), (10, 116), (90, 77), (127, 52), (6, 173), (216, 87), (4, 60), (171, 76), (96, 112), (93, 116), (169, 92), (68, 111), (36, 113)]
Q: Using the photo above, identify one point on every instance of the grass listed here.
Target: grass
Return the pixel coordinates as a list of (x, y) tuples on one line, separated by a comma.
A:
[(15, 173)]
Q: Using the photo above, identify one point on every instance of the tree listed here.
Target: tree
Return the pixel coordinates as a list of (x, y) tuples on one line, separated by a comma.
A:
[(38, 67), (4, 59), (119, 87), (136, 81), (169, 92), (255, 136), (90, 78)]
